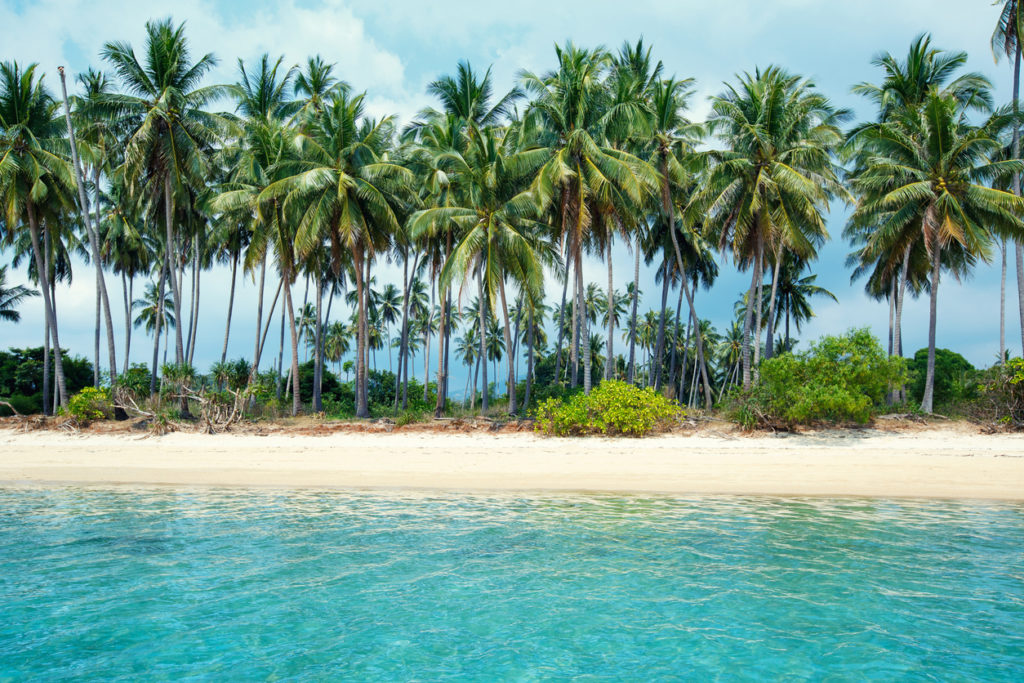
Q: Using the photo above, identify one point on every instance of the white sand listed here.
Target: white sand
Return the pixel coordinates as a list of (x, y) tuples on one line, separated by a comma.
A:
[(934, 463)]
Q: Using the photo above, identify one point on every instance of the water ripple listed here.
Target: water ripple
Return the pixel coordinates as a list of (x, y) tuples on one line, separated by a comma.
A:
[(115, 584)]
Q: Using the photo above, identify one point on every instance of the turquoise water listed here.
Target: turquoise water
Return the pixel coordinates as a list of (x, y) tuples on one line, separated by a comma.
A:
[(199, 584)]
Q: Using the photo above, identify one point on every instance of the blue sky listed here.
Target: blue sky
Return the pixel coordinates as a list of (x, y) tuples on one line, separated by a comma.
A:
[(394, 49)]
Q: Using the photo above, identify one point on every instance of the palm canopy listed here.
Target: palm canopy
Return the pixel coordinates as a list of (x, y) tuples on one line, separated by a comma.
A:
[(11, 297)]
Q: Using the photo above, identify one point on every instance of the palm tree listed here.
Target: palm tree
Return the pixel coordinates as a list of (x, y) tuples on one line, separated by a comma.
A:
[(928, 171), (1006, 41), (342, 188), (569, 113), (773, 182), (170, 135), (33, 178), (501, 236), (11, 297)]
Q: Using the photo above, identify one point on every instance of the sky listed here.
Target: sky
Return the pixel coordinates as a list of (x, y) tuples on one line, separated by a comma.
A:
[(392, 50)]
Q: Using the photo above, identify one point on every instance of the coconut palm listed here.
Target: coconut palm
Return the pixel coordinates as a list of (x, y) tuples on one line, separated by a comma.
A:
[(11, 297), (33, 177), (582, 174), (773, 182), (941, 164), (170, 135)]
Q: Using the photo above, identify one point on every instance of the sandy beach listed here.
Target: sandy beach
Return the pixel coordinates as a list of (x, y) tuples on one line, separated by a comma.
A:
[(933, 463)]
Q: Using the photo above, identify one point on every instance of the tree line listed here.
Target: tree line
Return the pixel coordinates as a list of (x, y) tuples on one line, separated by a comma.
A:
[(490, 203)]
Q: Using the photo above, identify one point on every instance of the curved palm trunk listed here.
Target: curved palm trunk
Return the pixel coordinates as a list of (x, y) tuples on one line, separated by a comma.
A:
[(510, 354), (198, 273), (179, 346), (631, 373), (674, 338), (758, 307), (402, 365), (609, 351), (748, 317), (929, 379), (44, 284), (443, 339), (96, 344), (231, 306), (897, 327), (94, 244)]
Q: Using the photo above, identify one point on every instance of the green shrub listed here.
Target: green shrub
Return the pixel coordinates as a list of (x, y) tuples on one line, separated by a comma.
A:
[(91, 404), (840, 379), (613, 408), (955, 377), (1001, 394)]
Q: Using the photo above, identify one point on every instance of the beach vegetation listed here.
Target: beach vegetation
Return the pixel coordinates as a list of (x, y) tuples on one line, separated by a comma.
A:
[(91, 404), (613, 408), (842, 379)]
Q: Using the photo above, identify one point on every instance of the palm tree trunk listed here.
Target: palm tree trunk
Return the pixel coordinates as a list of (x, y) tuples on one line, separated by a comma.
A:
[(257, 352), (157, 328), (362, 409), (191, 306), (529, 360), (748, 316), (561, 316), (482, 305), (510, 354), (179, 346), (47, 407), (659, 344), (91, 230), (231, 305), (426, 342), (758, 307), (96, 344), (686, 357), (280, 349), (318, 356), (892, 313), (897, 327), (1002, 304), (261, 340), (402, 330), (198, 269), (126, 288), (1019, 246), (769, 349), (632, 318), (584, 337), (675, 341), (929, 379), (609, 351), (443, 338), (44, 284), (296, 398)]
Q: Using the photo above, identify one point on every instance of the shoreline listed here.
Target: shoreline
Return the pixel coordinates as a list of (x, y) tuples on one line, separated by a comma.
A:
[(943, 463)]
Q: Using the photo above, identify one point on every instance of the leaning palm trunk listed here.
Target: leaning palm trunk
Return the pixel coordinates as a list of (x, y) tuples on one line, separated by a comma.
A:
[(584, 337), (362, 410), (94, 244), (769, 347), (748, 316), (51, 320), (318, 338), (561, 318), (758, 308), (929, 380), (179, 346), (631, 373), (1019, 246), (127, 285), (296, 398), (673, 356), (897, 327), (443, 339), (257, 352), (231, 305), (659, 344), (511, 352)]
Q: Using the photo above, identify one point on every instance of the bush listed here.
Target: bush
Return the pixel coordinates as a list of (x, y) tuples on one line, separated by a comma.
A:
[(613, 408), (955, 377), (1001, 394), (840, 379), (91, 404)]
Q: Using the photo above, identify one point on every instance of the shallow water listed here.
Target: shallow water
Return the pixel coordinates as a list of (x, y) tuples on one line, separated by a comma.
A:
[(172, 584)]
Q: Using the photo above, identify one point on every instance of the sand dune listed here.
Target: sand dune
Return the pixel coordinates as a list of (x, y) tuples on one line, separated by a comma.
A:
[(932, 463)]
